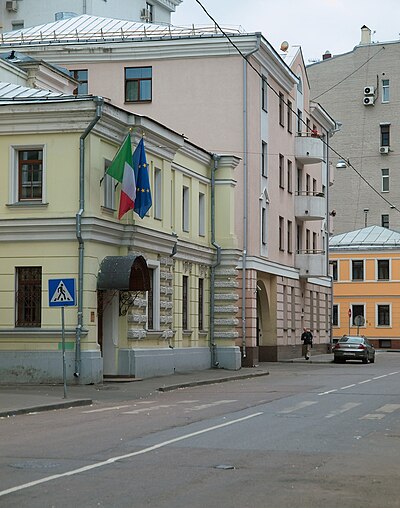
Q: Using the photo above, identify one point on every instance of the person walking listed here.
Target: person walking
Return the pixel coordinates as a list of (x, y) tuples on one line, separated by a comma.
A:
[(307, 338)]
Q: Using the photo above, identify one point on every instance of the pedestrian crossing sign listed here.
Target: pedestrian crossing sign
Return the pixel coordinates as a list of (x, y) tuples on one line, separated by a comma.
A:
[(61, 292)]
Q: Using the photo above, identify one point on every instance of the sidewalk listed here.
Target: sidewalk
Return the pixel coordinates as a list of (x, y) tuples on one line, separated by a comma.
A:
[(23, 399)]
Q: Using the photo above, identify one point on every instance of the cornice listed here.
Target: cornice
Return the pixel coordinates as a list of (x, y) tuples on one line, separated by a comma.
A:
[(275, 66)]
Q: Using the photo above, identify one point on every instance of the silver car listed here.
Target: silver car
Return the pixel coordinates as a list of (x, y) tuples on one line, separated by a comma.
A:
[(353, 348)]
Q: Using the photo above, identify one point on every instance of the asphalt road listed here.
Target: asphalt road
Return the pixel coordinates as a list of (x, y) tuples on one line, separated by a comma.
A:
[(306, 435)]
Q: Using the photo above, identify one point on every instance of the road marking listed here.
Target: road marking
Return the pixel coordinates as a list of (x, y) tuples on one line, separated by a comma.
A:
[(379, 377), (388, 408), (366, 381), (112, 460), (343, 409), (211, 404), (300, 405), (147, 409), (348, 386), (373, 416), (329, 391), (105, 409), (393, 373)]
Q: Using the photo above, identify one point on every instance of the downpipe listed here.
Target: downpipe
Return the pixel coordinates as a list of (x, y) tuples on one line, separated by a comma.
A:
[(214, 361), (99, 101)]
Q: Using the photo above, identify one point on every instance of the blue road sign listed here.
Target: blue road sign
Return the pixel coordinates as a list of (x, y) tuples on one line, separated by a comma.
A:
[(62, 292)]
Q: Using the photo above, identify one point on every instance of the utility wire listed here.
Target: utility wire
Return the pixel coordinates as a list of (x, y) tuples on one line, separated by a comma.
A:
[(393, 207)]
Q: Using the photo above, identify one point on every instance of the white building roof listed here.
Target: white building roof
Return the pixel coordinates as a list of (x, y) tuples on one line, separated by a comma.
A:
[(11, 92), (372, 237), (87, 28)]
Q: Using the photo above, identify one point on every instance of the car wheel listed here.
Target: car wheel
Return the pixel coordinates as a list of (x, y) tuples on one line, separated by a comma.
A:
[(365, 360), (372, 359)]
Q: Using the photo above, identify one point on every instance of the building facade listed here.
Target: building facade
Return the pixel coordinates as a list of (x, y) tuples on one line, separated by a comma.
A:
[(19, 14), (359, 89), (196, 83), (143, 285), (366, 273)]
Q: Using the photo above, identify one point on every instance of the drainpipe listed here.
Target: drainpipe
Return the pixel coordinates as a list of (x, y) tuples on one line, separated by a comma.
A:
[(84, 7), (214, 363), (99, 101), (245, 200)]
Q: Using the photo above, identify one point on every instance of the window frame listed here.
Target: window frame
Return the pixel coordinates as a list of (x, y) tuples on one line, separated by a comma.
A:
[(264, 93), (378, 278), (157, 193), (353, 316), (385, 91), (264, 159), (35, 298), (281, 233), (385, 220), (139, 81), (385, 134), (109, 201), (290, 176), (281, 171), (335, 269), (83, 81), (154, 294), (185, 302), (281, 112), (202, 214), (388, 314), (354, 269), (14, 175), (290, 117), (385, 173), (200, 304), (336, 314), (185, 209)]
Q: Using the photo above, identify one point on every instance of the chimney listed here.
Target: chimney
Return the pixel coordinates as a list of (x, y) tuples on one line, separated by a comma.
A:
[(326, 55), (365, 35)]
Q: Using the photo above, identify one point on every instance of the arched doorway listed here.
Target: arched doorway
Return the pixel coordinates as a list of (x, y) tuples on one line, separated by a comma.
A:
[(266, 324)]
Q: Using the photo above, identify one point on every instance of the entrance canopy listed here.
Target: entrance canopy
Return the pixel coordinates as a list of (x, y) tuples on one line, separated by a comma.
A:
[(126, 273)]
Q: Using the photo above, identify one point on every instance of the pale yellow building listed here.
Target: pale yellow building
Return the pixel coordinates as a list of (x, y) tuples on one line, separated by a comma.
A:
[(144, 302)]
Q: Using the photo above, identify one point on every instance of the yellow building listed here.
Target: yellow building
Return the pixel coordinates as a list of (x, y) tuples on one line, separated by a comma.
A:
[(366, 273), (144, 302)]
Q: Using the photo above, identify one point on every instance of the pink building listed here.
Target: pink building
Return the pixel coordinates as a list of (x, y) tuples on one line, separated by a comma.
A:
[(197, 83)]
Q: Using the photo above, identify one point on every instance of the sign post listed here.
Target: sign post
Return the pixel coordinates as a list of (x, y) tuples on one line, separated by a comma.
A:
[(62, 294)]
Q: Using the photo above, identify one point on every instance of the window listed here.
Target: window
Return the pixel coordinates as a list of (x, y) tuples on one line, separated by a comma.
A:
[(150, 302), (335, 315), (109, 188), (289, 176), (356, 310), (30, 174), (202, 214), (185, 303), (264, 95), (299, 238), (289, 116), (281, 109), (264, 226), (308, 184), (157, 193), (314, 241), (385, 180), (385, 135), (201, 304), (149, 8), (334, 265), (185, 209), (308, 241), (383, 315), (28, 296), (385, 90), (80, 75), (17, 25), (289, 236), (299, 121), (299, 181), (281, 171), (153, 296), (385, 220), (281, 232), (138, 84), (264, 166), (383, 269), (357, 269)]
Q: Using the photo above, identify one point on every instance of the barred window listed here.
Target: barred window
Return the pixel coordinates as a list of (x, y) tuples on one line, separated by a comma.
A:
[(201, 304), (185, 303), (28, 296)]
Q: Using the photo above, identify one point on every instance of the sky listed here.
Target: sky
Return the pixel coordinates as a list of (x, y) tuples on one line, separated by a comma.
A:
[(316, 26)]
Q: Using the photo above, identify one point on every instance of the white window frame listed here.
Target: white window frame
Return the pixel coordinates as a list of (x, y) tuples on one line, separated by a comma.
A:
[(13, 197), (359, 304), (351, 270), (377, 269), (264, 93), (202, 214), (385, 179), (185, 208), (377, 305), (263, 226), (385, 91), (264, 159), (337, 270), (108, 188), (157, 209), (155, 266), (338, 315)]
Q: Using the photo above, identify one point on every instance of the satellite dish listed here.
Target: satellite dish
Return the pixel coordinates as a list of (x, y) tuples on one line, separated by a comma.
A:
[(284, 46)]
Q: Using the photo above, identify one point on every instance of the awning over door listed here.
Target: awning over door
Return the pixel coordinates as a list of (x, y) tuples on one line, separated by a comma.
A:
[(126, 273)]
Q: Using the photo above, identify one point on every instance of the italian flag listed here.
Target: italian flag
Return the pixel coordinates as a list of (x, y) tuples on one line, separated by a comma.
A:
[(122, 170)]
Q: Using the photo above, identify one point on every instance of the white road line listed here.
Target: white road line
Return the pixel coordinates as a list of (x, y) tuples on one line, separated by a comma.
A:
[(147, 409), (388, 408), (343, 409), (379, 377), (126, 456), (365, 381), (105, 409), (329, 391), (348, 386), (393, 373), (211, 404), (300, 405), (372, 416)]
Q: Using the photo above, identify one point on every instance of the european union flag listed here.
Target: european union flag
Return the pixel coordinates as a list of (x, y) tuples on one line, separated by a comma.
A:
[(143, 195)]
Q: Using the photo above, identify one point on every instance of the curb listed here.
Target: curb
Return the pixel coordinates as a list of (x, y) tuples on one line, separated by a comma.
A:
[(47, 407), (189, 384)]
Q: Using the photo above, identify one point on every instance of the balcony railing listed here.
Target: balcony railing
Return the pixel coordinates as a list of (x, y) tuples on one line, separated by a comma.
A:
[(310, 206), (309, 149), (311, 263)]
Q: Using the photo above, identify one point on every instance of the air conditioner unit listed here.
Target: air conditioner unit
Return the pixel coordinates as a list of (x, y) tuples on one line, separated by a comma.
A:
[(384, 149), (369, 100), (145, 14), (369, 90), (12, 6)]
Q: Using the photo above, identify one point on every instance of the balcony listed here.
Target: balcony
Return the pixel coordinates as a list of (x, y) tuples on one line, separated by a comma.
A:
[(309, 149), (310, 206), (311, 263)]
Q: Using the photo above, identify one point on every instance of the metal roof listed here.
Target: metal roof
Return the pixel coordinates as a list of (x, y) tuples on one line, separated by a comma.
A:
[(372, 237), (86, 28), (11, 92)]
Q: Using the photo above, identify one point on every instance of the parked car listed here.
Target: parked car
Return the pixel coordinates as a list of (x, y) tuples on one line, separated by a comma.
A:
[(353, 347)]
